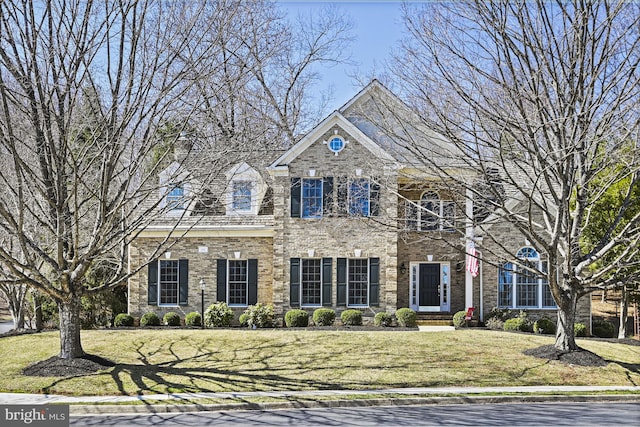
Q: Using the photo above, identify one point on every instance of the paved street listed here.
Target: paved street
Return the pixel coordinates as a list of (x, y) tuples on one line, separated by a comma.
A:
[(6, 326), (524, 414)]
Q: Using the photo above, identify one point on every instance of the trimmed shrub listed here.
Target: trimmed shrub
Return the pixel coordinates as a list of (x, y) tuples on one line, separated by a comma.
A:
[(603, 329), (351, 317), (521, 324), (244, 320), (123, 319), (149, 319), (383, 319), (171, 319), (406, 318), (459, 319), (193, 319), (260, 316), (218, 315), (324, 317), (545, 326), (579, 329), (494, 323), (296, 319)]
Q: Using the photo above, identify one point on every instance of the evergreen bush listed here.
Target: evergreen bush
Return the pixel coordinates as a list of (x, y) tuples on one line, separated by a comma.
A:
[(351, 317), (218, 315), (260, 315), (324, 317), (149, 319), (171, 319), (459, 319), (579, 329), (406, 318), (545, 326), (383, 319), (296, 318), (122, 320), (603, 329), (193, 319)]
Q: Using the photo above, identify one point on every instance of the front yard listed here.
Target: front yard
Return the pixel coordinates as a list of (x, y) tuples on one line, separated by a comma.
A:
[(183, 360)]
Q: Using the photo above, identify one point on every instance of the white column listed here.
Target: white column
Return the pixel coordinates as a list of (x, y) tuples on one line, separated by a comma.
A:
[(468, 279)]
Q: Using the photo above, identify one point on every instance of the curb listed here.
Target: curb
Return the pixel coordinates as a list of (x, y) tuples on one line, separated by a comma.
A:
[(341, 403)]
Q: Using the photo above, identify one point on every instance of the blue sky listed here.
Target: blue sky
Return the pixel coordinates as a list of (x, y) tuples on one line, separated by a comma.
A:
[(377, 29)]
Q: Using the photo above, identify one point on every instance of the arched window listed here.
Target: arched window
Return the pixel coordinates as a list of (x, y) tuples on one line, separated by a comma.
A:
[(434, 214), (519, 287)]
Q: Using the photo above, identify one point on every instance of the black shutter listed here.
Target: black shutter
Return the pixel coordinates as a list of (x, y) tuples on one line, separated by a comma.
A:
[(326, 281), (253, 281), (374, 197), (296, 197), (327, 196), (294, 283), (374, 281), (341, 264), (221, 281), (183, 282), (343, 196), (152, 283)]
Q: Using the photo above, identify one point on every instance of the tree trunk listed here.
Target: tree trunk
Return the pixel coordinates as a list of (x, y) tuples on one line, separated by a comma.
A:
[(70, 346), (16, 307), (565, 334), (624, 312), (37, 308)]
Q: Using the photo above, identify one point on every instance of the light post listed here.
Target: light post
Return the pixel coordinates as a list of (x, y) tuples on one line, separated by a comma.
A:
[(202, 286)]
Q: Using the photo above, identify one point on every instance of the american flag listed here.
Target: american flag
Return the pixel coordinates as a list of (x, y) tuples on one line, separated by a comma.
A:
[(472, 259)]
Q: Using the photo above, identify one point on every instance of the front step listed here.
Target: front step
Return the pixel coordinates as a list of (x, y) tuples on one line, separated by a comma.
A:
[(434, 322)]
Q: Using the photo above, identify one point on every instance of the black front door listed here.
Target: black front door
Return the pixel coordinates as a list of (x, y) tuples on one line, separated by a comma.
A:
[(429, 286)]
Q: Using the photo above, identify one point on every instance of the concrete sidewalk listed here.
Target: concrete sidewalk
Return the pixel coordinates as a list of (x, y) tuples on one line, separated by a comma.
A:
[(44, 399)]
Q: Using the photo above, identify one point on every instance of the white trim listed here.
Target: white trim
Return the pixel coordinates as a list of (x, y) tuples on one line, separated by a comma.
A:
[(445, 288), (333, 120), (207, 231)]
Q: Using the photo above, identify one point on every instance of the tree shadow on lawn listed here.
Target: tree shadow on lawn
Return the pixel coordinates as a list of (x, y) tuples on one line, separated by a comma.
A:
[(206, 370)]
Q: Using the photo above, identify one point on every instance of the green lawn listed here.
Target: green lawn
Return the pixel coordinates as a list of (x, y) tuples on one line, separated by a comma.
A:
[(162, 361)]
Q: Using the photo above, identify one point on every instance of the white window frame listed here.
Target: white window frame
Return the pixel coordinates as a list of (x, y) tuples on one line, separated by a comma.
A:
[(368, 282), (516, 270), (303, 198), (243, 173), (160, 282), (246, 283), (302, 281), (350, 197)]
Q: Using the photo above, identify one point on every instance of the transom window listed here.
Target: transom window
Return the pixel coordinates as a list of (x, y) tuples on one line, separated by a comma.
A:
[(311, 282), (169, 282), (242, 195), (238, 282), (358, 282), (519, 287), (175, 198), (312, 198)]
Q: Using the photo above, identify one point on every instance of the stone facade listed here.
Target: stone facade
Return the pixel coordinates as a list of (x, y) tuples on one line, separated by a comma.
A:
[(419, 268)]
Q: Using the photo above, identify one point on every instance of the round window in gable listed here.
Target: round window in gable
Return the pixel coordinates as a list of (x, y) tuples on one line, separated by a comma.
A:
[(336, 144)]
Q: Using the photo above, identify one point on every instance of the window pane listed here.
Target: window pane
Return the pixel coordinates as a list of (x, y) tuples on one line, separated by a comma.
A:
[(358, 282), (168, 282), (526, 288), (311, 282), (175, 198), (242, 196), (448, 216), (237, 282), (359, 197), (411, 215), (430, 212), (505, 286), (312, 198)]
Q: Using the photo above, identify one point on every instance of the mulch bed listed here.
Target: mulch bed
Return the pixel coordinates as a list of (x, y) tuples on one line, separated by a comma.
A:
[(58, 367), (580, 357)]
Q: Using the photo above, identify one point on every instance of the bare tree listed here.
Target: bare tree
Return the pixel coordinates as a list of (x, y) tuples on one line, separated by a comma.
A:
[(539, 101), (96, 98)]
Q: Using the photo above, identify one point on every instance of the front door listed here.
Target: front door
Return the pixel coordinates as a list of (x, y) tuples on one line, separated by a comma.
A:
[(430, 286)]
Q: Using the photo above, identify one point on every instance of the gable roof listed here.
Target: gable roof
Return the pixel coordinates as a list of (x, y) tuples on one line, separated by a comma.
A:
[(334, 119)]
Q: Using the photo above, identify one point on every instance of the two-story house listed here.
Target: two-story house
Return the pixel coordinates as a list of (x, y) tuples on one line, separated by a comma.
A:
[(345, 218)]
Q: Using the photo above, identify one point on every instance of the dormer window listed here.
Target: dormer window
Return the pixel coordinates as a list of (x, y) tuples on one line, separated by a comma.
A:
[(242, 196), (175, 198), (245, 191)]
